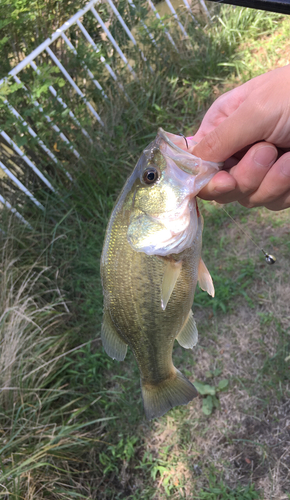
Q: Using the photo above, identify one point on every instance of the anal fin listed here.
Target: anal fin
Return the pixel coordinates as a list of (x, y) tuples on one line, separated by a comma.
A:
[(204, 278), (173, 391), (113, 343), (172, 271), (188, 335)]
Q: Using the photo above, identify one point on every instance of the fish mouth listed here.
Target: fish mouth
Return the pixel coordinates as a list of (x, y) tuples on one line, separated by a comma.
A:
[(174, 141), (181, 154)]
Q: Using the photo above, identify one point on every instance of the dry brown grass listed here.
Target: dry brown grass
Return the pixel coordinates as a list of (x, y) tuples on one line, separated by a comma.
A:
[(32, 309)]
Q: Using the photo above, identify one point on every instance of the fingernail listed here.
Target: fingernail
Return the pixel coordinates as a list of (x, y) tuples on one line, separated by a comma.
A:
[(265, 156), (285, 167)]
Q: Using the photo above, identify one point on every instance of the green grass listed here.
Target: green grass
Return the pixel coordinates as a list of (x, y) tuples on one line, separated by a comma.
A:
[(217, 490), (73, 426)]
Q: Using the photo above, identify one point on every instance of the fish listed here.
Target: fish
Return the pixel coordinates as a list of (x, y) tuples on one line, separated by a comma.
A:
[(150, 265)]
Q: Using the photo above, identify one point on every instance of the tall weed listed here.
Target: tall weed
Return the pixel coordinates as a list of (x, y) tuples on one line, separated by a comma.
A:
[(33, 312)]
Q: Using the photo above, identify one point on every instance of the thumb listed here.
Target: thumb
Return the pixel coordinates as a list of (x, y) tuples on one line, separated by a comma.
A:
[(240, 129)]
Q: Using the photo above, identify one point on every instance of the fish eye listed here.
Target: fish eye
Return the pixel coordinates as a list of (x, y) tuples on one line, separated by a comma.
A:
[(150, 175)]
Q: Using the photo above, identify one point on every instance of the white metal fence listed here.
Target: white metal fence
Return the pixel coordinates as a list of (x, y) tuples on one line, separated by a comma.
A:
[(76, 22)]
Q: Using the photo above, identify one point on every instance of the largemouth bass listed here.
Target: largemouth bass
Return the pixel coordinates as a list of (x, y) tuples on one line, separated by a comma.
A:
[(150, 265)]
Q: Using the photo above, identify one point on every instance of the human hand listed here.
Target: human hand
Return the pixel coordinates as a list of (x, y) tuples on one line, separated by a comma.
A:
[(256, 173)]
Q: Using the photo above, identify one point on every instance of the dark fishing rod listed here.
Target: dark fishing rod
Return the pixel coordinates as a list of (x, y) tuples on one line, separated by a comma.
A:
[(280, 6)]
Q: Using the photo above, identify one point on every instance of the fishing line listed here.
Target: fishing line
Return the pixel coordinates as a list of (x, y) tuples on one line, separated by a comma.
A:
[(270, 259)]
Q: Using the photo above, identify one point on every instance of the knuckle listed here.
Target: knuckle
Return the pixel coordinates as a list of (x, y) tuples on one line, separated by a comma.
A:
[(246, 187), (247, 203), (211, 146), (259, 103)]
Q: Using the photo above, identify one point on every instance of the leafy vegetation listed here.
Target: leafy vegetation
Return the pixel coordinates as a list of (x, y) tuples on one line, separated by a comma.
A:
[(211, 400), (219, 491), (72, 423)]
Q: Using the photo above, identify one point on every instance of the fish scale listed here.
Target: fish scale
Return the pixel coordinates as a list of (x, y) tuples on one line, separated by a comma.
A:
[(136, 308), (150, 268)]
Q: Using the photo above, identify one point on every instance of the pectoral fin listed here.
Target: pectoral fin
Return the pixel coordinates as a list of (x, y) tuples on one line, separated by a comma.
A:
[(204, 279), (113, 344), (188, 336), (170, 277)]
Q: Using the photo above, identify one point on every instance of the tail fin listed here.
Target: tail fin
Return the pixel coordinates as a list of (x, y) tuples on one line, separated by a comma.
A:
[(160, 398)]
